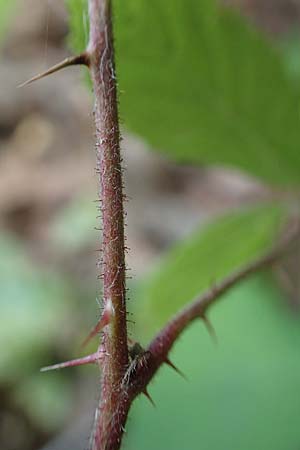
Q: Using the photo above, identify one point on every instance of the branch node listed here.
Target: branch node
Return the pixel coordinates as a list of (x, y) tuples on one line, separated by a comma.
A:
[(162, 343)]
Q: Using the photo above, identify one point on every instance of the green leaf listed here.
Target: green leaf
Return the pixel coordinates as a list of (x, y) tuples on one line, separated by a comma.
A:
[(241, 394), (207, 257), (290, 47), (202, 86), (79, 24)]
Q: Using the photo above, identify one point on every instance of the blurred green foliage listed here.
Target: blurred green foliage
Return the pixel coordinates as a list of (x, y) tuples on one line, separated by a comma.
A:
[(78, 22), (7, 8), (213, 252), (241, 394), (35, 307), (33, 299), (78, 216), (290, 47), (203, 86), (47, 399)]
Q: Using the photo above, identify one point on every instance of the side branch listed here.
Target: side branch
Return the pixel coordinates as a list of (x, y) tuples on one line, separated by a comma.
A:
[(158, 350)]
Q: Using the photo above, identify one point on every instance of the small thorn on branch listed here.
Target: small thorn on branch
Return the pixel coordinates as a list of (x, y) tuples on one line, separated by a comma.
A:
[(170, 364), (210, 328), (82, 59), (146, 393), (90, 359), (104, 320), (161, 345)]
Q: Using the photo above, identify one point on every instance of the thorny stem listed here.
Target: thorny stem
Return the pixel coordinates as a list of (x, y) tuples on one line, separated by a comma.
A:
[(112, 355), (159, 348), (122, 381), (109, 420)]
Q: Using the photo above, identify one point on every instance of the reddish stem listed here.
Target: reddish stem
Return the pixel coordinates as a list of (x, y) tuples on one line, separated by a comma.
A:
[(158, 350), (108, 431), (121, 381)]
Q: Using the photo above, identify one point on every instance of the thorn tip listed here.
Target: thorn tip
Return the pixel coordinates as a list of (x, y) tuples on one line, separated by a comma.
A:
[(211, 330), (146, 393), (169, 363), (82, 59)]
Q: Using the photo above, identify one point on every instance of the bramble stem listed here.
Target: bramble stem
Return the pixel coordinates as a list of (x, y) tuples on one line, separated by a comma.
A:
[(124, 378), (159, 348), (108, 431)]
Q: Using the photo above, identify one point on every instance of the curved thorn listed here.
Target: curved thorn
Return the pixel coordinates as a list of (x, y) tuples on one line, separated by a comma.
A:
[(210, 329), (90, 359), (169, 363), (82, 59), (146, 393)]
